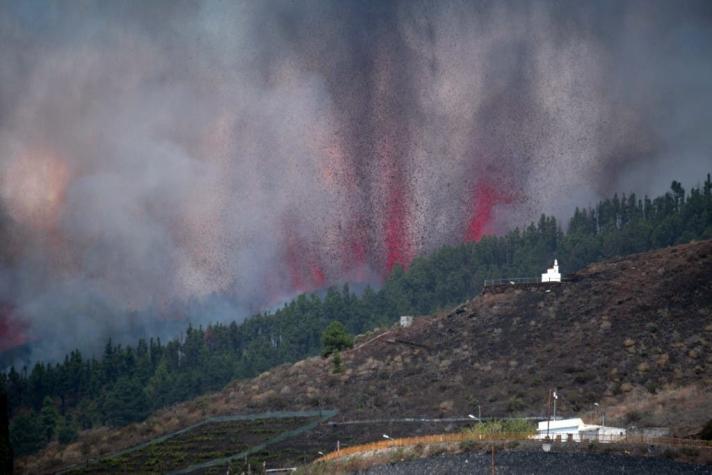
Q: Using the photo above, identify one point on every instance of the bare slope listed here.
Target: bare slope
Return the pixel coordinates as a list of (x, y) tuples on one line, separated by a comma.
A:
[(639, 324), (633, 334)]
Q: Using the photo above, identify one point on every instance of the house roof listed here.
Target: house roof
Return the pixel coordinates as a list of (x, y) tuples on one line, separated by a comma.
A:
[(576, 423)]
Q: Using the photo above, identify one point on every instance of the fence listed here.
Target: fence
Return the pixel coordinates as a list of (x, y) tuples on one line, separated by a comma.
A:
[(504, 437), (527, 280), (513, 281)]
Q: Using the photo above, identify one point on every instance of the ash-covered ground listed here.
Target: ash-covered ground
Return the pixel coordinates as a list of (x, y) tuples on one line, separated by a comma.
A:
[(537, 463)]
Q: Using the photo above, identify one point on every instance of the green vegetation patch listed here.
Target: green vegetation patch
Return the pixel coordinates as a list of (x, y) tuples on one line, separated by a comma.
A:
[(500, 427)]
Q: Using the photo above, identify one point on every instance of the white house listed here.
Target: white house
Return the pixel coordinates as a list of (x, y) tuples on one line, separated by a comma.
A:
[(560, 427), (552, 274), (602, 433), (406, 321), (578, 431)]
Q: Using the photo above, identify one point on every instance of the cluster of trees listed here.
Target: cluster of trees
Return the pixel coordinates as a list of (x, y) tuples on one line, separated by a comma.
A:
[(334, 340), (128, 382)]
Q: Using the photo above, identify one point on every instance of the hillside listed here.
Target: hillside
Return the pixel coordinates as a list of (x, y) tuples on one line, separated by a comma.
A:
[(623, 325), (633, 334)]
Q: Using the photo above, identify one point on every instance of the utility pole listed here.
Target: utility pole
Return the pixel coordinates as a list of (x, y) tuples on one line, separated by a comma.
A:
[(556, 396), (548, 413)]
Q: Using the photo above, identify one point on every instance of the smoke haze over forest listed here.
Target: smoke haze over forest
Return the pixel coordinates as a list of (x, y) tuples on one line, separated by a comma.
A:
[(157, 153)]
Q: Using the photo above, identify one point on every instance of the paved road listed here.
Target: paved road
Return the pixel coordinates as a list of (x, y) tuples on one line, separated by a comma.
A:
[(538, 463)]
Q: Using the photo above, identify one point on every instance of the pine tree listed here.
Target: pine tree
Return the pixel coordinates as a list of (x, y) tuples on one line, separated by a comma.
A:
[(66, 431), (27, 433), (49, 417), (335, 338)]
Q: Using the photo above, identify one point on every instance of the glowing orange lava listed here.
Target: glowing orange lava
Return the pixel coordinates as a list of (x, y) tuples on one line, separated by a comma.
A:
[(33, 187)]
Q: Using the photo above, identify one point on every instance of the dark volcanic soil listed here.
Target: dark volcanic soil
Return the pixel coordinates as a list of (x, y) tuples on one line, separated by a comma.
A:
[(623, 332), (538, 463)]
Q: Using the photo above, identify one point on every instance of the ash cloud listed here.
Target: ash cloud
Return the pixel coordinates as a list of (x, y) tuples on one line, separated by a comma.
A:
[(164, 161)]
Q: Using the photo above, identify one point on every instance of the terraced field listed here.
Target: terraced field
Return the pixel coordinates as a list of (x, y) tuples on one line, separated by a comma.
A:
[(214, 441)]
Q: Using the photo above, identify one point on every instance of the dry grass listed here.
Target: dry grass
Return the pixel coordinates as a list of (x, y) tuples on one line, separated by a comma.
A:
[(370, 458), (684, 408)]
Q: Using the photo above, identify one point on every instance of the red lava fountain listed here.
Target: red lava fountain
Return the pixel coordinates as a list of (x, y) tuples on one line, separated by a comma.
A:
[(304, 266), (485, 197), (397, 246)]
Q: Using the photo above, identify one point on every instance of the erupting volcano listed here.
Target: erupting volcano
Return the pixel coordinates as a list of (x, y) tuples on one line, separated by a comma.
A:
[(246, 152)]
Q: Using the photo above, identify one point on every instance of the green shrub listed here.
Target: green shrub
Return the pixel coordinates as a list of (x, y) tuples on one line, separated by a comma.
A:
[(502, 426), (335, 338)]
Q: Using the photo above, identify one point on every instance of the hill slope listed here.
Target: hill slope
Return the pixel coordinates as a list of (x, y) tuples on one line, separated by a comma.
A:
[(633, 334), (643, 322)]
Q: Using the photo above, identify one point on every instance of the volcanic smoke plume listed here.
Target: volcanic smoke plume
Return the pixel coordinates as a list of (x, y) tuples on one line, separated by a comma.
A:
[(155, 154)]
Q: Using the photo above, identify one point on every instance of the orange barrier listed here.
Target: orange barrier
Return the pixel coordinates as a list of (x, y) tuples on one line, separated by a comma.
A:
[(503, 437), (413, 441)]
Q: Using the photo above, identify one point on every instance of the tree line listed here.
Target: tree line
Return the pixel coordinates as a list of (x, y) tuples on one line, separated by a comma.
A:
[(127, 382)]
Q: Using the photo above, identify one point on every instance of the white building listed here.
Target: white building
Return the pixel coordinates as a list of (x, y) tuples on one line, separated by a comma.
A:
[(578, 431), (406, 321), (552, 274)]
